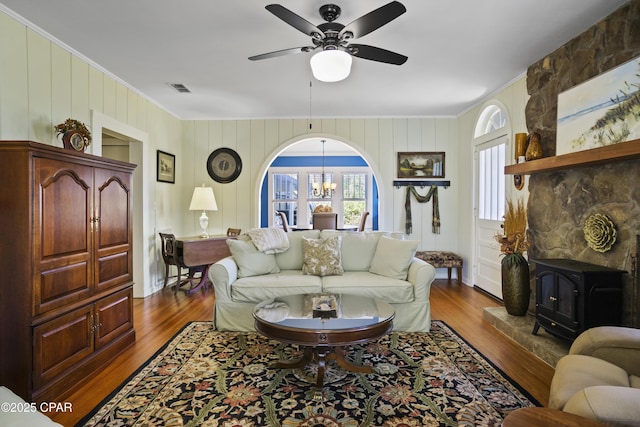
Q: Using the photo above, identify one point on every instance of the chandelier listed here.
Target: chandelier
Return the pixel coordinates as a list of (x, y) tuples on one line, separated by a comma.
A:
[(325, 188)]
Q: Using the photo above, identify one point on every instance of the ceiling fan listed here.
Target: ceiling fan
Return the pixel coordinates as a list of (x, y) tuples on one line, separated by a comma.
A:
[(331, 35)]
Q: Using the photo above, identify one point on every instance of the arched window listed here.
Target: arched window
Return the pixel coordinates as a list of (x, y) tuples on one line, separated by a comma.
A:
[(492, 118)]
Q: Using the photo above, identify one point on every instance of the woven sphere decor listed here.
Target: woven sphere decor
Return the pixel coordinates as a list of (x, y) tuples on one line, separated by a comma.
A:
[(599, 232)]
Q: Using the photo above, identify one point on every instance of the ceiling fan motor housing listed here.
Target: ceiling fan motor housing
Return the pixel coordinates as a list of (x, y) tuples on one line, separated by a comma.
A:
[(330, 12)]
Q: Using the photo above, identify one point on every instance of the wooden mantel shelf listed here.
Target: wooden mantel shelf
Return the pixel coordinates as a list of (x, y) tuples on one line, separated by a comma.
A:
[(611, 153)]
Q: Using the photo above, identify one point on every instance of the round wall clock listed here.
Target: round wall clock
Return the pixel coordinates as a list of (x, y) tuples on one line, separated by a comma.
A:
[(224, 165)]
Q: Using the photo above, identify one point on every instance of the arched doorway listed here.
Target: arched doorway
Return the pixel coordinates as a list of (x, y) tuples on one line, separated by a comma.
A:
[(292, 183)]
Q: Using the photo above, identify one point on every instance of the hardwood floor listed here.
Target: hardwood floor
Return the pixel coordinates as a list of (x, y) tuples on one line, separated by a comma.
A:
[(158, 317)]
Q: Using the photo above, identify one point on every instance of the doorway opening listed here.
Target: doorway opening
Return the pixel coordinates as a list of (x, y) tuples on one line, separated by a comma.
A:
[(116, 140), (295, 176)]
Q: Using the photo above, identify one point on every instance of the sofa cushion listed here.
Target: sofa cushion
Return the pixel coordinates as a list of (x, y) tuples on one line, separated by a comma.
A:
[(322, 257), (251, 262), (291, 259), (358, 250), (369, 285), (393, 257), (256, 289)]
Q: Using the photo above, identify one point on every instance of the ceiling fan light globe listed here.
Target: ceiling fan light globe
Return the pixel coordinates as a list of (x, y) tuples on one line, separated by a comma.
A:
[(331, 65)]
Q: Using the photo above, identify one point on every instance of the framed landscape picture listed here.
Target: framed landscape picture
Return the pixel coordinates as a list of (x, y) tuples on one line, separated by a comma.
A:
[(602, 111), (166, 167), (421, 164)]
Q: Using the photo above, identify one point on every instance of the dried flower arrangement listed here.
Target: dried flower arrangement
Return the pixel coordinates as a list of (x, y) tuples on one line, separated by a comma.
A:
[(514, 238), (73, 124)]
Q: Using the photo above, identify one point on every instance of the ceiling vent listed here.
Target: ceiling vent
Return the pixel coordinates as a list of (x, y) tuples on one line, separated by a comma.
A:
[(180, 87)]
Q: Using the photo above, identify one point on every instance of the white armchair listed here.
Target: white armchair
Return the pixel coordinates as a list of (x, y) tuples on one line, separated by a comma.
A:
[(600, 377)]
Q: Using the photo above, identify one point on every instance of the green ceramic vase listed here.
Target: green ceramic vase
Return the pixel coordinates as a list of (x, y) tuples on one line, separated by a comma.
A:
[(515, 284)]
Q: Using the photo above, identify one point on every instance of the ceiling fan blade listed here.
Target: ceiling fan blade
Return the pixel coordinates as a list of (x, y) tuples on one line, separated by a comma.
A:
[(374, 19), (282, 52), (294, 20), (377, 54)]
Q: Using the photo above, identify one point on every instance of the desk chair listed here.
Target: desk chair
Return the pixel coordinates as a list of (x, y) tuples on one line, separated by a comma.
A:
[(233, 232), (285, 223), (170, 257), (363, 221), (325, 220)]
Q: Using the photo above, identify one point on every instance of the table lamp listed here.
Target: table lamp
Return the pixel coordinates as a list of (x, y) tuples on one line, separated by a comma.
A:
[(204, 200)]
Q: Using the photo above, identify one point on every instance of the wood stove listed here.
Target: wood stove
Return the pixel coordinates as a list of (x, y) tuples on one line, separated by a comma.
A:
[(573, 296)]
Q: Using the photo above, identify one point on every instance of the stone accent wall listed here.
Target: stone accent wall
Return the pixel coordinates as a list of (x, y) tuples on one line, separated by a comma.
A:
[(560, 202)]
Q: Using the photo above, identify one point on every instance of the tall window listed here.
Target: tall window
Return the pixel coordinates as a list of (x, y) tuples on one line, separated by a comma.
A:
[(292, 193), (492, 183), (354, 197), (491, 162)]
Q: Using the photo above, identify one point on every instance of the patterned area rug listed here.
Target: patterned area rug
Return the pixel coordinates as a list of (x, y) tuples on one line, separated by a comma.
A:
[(210, 378)]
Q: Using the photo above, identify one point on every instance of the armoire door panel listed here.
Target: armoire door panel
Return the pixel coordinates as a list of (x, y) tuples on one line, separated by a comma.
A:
[(113, 214), (114, 316), (113, 270), (113, 234), (62, 285), (64, 193), (113, 205), (61, 343)]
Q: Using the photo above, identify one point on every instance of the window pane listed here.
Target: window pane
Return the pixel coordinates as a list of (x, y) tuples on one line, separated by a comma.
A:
[(354, 194), (492, 183), (354, 186), (290, 209), (285, 186), (353, 210), (491, 118)]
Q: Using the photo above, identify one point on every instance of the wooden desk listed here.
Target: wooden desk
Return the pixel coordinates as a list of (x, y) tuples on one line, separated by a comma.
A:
[(197, 252)]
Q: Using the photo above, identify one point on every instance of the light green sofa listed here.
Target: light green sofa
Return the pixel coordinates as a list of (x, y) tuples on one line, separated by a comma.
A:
[(375, 266)]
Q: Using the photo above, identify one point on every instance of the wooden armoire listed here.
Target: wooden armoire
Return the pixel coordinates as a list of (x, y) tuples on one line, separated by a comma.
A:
[(66, 266)]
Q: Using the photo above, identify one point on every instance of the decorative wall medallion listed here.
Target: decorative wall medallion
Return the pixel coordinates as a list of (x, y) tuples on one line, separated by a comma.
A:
[(599, 232)]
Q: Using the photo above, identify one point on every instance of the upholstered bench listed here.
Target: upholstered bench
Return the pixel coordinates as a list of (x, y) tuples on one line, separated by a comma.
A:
[(443, 259)]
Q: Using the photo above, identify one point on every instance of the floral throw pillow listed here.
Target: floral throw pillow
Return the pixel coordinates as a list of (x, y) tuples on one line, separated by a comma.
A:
[(321, 257)]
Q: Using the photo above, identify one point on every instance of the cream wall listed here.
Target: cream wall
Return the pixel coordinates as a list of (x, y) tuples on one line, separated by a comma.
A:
[(258, 142)]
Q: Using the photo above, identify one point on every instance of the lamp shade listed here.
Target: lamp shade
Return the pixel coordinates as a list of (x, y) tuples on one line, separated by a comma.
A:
[(331, 65), (203, 199)]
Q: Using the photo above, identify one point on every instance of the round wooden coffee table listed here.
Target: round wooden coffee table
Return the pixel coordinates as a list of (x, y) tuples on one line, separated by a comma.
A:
[(357, 320), (545, 417)]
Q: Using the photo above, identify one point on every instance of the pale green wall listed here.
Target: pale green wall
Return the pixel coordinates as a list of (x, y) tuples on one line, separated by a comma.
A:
[(42, 84)]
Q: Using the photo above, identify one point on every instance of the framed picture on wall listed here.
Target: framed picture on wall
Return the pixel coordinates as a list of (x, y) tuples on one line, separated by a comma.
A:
[(601, 111), (421, 164), (165, 167)]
